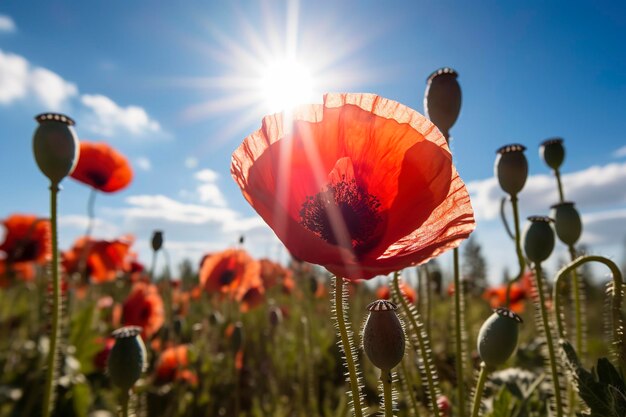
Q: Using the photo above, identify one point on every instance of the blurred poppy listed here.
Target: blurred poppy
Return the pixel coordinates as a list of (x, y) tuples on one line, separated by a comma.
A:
[(104, 259), (232, 272), (252, 298), (144, 307), (102, 167), (27, 238), (23, 271), (384, 292), (273, 273), (360, 184), (497, 297), (171, 366)]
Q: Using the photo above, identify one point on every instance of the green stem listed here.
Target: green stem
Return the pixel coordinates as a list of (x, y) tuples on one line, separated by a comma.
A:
[(347, 347), (385, 378), (557, 174), (618, 336), (153, 265), (124, 402), (428, 301), (577, 304), (409, 384), (51, 374), (480, 386), (548, 333), (518, 249), (458, 293), (430, 379)]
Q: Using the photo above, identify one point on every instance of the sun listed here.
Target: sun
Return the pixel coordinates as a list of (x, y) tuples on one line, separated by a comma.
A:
[(284, 84)]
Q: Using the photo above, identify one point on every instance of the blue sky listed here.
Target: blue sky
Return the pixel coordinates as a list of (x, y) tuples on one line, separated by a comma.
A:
[(174, 87)]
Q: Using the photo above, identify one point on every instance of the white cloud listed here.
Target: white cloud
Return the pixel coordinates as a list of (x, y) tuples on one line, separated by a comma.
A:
[(78, 225), (107, 118), (13, 77), (596, 186), (7, 24), (208, 191), (143, 163), (604, 228), (620, 153), (50, 88), (19, 80)]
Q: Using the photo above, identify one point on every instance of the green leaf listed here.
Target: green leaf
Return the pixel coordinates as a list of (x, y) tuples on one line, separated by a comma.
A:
[(609, 375), (81, 397)]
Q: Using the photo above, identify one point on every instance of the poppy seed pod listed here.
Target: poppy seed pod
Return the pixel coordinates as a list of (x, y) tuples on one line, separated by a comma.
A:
[(511, 168), (497, 338), (567, 222), (538, 238), (383, 335), (157, 240), (128, 358), (442, 99), (55, 146), (552, 152)]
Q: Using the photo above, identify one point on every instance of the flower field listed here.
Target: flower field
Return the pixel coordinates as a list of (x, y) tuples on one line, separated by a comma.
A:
[(363, 320)]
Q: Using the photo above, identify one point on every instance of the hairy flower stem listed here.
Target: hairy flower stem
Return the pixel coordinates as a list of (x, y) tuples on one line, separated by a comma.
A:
[(458, 315), (548, 333), (347, 347), (408, 382), (430, 378), (385, 378), (124, 402), (518, 249), (577, 305), (618, 334), (480, 386), (51, 372)]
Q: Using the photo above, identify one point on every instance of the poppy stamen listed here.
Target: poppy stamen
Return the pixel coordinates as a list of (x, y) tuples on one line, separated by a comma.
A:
[(359, 212)]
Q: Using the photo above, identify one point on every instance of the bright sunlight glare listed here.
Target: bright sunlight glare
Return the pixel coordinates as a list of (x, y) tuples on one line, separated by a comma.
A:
[(285, 84)]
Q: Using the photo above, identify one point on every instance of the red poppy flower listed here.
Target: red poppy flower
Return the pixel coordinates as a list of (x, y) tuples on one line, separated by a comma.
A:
[(102, 167), (384, 293), (24, 271), (360, 184), (231, 271), (27, 238), (171, 366), (497, 297), (144, 307), (105, 259), (273, 273)]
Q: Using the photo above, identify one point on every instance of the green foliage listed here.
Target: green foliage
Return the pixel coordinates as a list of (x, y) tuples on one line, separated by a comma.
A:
[(602, 389)]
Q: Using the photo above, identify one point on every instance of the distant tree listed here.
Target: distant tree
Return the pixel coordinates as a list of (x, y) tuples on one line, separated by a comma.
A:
[(474, 266), (188, 275), (506, 275)]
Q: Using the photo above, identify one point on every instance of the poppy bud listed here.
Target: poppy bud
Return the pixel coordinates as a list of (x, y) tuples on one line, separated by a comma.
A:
[(511, 168), (442, 99), (216, 318), (157, 240), (383, 336), (497, 338), (538, 238), (55, 146), (552, 152), (567, 222), (127, 359)]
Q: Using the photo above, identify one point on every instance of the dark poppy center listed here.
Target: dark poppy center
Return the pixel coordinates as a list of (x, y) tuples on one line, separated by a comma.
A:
[(227, 277), (358, 211), (98, 178), (25, 251)]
